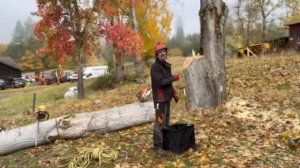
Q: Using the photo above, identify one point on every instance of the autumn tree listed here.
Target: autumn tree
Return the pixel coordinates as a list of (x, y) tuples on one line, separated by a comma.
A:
[(30, 62), (266, 8), (239, 15), (294, 16), (150, 18), (126, 42), (2, 48), (139, 63), (127, 9), (68, 27), (291, 7), (250, 16), (154, 20), (206, 77)]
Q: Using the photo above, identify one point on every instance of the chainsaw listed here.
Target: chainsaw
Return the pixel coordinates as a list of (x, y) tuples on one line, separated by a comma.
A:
[(143, 94), (41, 113)]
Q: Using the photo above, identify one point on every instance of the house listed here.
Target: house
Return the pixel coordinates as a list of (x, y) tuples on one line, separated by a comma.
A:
[(9, 68), (294, 35)]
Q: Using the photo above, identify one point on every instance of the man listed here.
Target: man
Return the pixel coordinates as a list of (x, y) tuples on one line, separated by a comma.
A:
[(163, 92)]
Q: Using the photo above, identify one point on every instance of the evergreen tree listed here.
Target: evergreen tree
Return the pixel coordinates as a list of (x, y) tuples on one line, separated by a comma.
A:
[(18, 34), (28, 30), (179, 37), (22, 40)]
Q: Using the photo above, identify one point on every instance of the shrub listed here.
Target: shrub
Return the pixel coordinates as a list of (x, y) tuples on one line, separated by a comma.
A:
[(103, 82), (175, 52)]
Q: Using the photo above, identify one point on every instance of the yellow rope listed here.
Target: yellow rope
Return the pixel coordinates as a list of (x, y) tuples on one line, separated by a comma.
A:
[(104, 155)]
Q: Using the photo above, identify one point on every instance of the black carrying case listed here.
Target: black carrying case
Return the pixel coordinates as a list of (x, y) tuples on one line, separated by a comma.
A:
[(179, 137)]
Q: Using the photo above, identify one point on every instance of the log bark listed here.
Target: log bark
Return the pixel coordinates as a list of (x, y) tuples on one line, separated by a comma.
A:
[(75, 126), (206, 78)]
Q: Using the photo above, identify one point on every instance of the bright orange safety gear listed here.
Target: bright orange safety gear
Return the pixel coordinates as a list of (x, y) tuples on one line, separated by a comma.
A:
[(159, 46), (41, 108)]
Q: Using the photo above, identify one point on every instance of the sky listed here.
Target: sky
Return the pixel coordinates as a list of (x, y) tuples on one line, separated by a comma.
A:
[(13, 10)]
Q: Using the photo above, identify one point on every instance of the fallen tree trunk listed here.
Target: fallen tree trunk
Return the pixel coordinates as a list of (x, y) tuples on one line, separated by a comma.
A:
[(75, 126)]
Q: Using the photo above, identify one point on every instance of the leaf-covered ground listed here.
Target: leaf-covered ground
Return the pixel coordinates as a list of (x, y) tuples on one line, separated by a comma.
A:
[(251, 130)]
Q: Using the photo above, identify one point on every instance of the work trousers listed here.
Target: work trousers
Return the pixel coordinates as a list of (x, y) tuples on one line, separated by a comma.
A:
[(162, 119)]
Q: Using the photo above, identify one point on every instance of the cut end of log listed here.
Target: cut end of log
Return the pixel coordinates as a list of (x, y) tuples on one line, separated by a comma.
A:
[(190, 60)]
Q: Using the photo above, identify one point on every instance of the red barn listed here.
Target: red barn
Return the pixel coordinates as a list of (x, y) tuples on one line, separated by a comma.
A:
[(294, 35)]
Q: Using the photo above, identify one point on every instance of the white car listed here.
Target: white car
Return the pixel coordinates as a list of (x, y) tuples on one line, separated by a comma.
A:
[(71, 75), (94, 71)]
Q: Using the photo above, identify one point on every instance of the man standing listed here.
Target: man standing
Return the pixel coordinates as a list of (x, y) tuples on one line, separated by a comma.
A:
[(163, 92)]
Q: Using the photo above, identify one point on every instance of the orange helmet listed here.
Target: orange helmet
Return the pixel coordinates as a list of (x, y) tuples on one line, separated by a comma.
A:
[(160, 46)]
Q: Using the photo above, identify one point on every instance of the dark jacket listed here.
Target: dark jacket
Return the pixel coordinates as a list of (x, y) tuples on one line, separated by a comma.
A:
[(161, 80)]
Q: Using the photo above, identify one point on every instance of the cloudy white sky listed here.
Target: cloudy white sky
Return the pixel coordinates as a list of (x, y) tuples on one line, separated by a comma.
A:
[(13, 10)]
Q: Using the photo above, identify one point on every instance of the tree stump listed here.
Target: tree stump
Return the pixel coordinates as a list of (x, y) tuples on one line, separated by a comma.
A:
[(206, 77), (201, 88)]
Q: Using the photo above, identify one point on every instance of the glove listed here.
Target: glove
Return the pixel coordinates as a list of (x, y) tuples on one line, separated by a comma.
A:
[(176, 97), (176, 76)]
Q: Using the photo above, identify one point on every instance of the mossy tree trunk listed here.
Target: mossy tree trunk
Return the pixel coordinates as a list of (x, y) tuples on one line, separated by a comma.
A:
[(206, 78)]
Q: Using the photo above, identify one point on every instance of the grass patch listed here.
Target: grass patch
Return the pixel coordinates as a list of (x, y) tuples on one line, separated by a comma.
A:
[(284, 86)]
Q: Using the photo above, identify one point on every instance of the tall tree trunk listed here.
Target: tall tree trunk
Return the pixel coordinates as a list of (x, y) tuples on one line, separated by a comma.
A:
[(119, 67), (133, 16), (264, 33), (240, 19), (118, 59), (138, 63), (248, 32), (206, 78), (139, 66), (80, 85)]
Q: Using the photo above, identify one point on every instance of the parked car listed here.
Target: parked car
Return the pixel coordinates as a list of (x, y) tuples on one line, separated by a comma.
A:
[(49, 80), (28, 78), (2, 84), (15, 82), (94, 71), (69, 75)]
